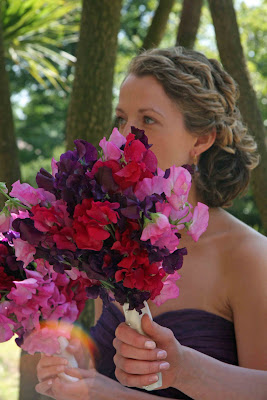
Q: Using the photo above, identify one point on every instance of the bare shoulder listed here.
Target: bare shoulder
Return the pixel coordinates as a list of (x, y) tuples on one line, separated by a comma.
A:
[(244, 255), (246, 246)]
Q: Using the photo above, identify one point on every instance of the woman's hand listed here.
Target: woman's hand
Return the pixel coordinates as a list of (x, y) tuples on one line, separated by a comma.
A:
[(49, 367), (138, 358), (91, 386)]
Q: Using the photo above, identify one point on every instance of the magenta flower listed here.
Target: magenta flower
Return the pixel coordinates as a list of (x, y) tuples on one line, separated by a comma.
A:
[(169, 291), (43, 340), (6, 220), (23, 291), (177, 186), (149, 186), (200, 221), (24, 251), (54, 167), (29, 195), (111, 147), (160, 232), (6, 326)]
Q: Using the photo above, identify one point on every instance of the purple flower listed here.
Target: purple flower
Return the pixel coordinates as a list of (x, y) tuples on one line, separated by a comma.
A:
[(174, 261)]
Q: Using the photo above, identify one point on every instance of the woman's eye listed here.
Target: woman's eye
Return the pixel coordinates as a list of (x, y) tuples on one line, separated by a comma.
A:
[(120, 121), (148, 120)]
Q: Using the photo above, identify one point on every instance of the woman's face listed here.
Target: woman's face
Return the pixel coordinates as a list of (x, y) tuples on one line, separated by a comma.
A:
[(144, 104)]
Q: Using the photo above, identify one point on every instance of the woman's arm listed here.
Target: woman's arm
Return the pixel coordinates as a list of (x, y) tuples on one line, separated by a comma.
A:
[(195, 374)]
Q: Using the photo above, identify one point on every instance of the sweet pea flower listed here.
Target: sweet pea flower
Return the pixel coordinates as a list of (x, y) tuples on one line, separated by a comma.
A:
[(149, 186), (6, 220), (111, 147), (23, 291), (24, 251), (200, 221), (54, 167), (177, 186), (6, 328), (30, 196), (160, 232), (110, 150), (169, 291)]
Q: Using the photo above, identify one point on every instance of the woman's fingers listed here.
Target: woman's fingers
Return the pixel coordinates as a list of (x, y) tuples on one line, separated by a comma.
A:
[(45, 388), (129, 336), (50, 372), (135, 380), (137, 367), (129, 351), (49, 367)]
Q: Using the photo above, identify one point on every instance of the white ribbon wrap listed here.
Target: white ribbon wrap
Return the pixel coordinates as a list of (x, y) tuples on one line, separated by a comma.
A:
[(133, 319), (63, 342)]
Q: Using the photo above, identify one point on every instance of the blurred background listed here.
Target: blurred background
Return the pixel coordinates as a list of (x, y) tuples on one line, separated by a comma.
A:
[(61, 66)]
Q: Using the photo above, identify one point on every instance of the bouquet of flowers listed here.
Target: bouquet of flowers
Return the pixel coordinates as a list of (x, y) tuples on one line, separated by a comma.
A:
[(104, 223)]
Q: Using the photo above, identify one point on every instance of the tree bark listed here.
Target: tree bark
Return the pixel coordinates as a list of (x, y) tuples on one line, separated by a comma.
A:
[(158, 24), (9, 161), (189, 23), (233, 60), (89, 113)]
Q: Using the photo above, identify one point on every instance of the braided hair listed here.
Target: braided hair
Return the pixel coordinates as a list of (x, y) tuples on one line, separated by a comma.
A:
[(207, 97)]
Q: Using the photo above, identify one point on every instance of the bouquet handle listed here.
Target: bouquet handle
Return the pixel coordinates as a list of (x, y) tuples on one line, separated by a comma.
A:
[(63, 342), (133, 319)]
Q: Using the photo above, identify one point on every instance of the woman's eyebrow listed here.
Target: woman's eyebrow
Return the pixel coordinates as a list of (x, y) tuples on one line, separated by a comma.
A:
[(141, 110)]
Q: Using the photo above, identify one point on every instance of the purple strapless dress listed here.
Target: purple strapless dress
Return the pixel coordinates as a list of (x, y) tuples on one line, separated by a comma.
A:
[(201, 330)]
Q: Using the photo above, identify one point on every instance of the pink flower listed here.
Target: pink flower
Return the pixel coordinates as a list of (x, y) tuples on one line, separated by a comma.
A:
[(24, 251), (54, 167), (6, 328), (5, 222), (110, 150), (149, 186), (23, 291), (45, 339), (160, 232), (169, 291), (117, 138), (29, 195), (177, 186), (200, 221)]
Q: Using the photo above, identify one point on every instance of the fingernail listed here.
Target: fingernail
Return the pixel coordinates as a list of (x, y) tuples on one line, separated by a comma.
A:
[(65, 362), (164, 366), (150, 345), (50, 382), (60, 368), (153, 378), (161, 354)]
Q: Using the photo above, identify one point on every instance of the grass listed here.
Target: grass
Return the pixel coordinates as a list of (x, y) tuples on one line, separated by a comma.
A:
[(9, 370)]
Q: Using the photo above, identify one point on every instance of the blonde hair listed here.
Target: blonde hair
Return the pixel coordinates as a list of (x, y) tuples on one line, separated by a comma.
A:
[(206, 95)]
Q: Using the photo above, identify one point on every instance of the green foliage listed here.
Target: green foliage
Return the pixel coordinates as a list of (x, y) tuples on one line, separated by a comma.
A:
[(34, 33)]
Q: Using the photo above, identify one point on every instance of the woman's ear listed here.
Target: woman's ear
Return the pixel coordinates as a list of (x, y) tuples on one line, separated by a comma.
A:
[(203, 143)]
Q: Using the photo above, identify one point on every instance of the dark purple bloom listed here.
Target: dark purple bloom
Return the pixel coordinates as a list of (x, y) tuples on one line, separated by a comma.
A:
[(46, 181), (93, 291), (104, 177), (174, 261), (140, 135), (189, 168), (27, 231), (87, 153)]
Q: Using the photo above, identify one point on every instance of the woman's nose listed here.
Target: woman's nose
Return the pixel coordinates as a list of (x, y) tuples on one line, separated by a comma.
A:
[(127, 127)]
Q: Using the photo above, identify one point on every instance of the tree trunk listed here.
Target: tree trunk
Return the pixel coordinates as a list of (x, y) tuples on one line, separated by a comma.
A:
[(89, 113), (232, 57), (189, 23), (158, 25), (9, 162)]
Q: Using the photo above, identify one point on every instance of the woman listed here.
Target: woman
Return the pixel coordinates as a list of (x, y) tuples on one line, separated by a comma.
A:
[(187, 106)]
